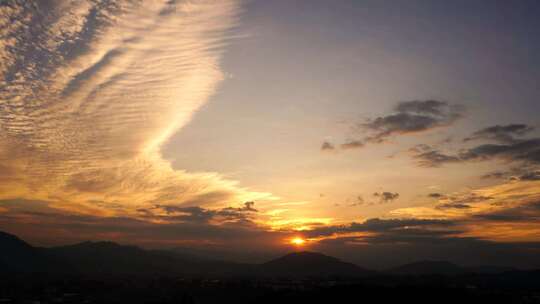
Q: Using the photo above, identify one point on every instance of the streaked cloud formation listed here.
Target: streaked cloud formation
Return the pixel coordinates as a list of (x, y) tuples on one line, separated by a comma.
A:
[(90, 90)]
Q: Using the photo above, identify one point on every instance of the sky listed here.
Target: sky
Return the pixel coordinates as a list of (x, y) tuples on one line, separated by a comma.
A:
[(380, 132)]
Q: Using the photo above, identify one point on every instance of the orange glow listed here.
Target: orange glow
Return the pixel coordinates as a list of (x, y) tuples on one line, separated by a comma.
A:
[(298, 241)]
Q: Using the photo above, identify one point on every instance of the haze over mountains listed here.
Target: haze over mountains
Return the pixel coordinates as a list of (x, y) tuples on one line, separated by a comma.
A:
[(111, 258)]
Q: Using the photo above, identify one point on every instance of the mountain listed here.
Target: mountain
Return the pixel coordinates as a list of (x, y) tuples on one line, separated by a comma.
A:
[(310, 264), (111, 258), (427, 268), (19, 256), (104, 258)]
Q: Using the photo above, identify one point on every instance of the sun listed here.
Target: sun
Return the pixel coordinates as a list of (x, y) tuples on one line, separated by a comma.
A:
[(298, 241)]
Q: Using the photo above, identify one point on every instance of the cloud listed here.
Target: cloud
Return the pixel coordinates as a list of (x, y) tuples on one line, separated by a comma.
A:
[(412, 117), (456, 205), (523, 173), (353, 144), (522, 213), (326, 146), (187, 214), (527, 151), (503, 134), (408, 117), (386, 197), (494, 175), (376, 225), (461, 201), (248, 206), (381, 198), (530, 176), (486, 212), (92, 89), (435, 158), (175, 213), (359, 201), (436, 195), (453, 205)]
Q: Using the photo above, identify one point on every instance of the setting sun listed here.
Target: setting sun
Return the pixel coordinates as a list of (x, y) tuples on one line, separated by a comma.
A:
[(298, 241)]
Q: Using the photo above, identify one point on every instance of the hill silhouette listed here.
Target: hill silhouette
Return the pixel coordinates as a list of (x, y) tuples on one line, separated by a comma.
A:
[(19, 256), (112, 258), (310, 264), (109, 257), (103, 257)]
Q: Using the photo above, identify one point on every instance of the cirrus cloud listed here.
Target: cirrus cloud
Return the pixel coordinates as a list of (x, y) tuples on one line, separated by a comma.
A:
[(90, 90)]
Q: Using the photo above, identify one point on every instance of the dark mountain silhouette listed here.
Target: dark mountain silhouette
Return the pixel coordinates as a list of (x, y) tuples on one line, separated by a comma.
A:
[(18, 256), (305, 264), (104, 257), (111, 258)]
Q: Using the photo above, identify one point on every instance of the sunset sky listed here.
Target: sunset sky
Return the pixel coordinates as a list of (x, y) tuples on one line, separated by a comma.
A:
[(377, 131)]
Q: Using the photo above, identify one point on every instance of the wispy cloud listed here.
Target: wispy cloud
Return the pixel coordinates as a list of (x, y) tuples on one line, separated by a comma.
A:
[(503, 212), (90, 90)]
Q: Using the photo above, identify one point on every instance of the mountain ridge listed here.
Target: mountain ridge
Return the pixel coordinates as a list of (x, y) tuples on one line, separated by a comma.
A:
[(113, 258)]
